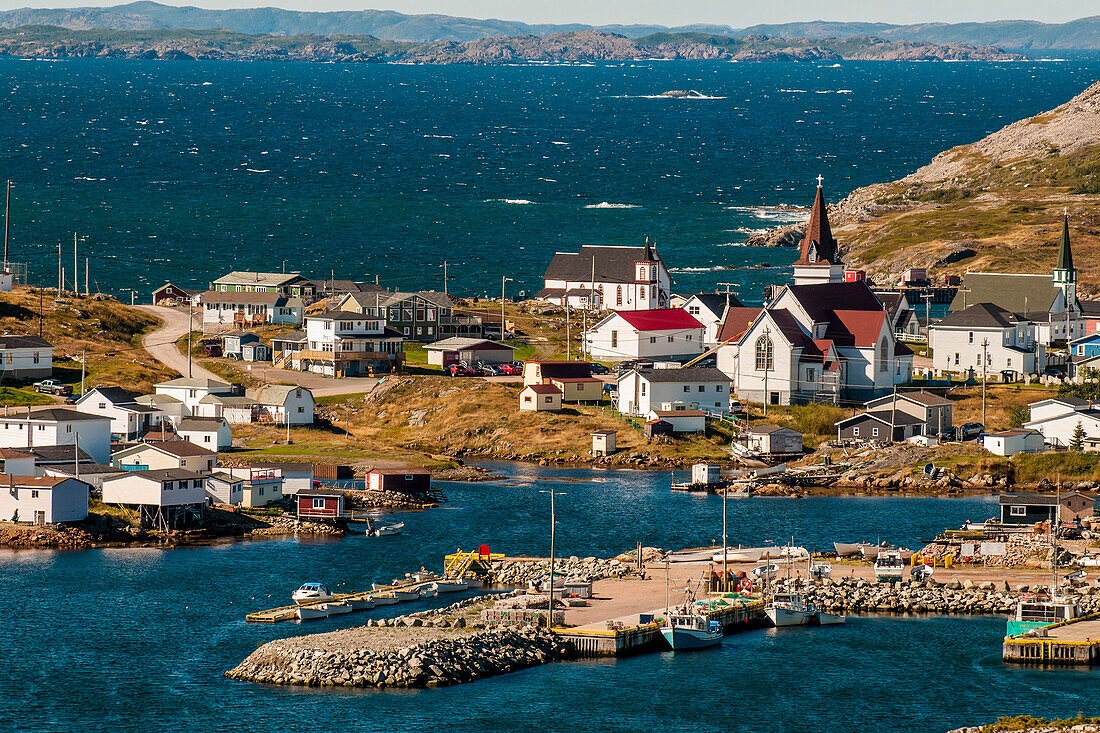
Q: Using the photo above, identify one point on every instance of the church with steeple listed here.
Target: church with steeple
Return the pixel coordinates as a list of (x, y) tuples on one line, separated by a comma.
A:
[(819, 254)]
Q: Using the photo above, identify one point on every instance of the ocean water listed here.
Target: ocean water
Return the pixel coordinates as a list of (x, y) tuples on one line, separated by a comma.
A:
[(182, 171), (137, 639)]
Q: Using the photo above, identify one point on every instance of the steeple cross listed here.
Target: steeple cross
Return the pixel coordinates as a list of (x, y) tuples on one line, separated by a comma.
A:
[(820, 178)]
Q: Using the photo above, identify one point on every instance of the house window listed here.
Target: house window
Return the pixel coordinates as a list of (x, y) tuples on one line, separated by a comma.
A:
[(206, 438), (614, 339), (261, 491), (687, 388), (670, 339), (301, 410), (408, 477), (702, 388), (884, 355), (971, 337), (34, 493), (318, 503), (619, 295), (855, 431), (693, 310), (527, 399), (810, 375), (36, 357), (765, 361), (956, 359), (103, 405), (643, 389), (1017, 511), (548, 400), (717, 388), (652, 339), (874, 432)]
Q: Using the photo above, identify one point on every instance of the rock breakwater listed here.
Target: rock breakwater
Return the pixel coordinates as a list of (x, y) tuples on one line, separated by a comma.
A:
[(523, 572)]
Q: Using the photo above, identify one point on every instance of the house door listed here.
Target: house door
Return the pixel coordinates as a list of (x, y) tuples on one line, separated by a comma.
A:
[(773, 398), (39, 517)]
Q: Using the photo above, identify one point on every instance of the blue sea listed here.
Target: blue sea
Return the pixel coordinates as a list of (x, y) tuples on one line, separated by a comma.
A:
[(184, 170), (134, 640)]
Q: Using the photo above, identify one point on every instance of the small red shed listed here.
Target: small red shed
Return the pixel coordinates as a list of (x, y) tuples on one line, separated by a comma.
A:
[(405, 480), (320, 503)]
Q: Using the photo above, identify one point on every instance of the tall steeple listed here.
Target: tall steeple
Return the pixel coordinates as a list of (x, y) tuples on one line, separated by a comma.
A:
[(1065, 275), (1065, 255), (819, 255)]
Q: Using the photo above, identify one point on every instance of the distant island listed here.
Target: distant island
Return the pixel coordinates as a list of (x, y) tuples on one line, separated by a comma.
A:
[(1083, 33), (54, 42)]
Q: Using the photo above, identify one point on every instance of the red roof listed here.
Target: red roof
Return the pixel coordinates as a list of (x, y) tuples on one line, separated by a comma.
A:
[(737, 322), (573, 380), (663, 319), (543, 389), (865, 326)]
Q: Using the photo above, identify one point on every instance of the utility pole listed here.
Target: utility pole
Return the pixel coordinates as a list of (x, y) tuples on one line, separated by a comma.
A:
[(985, 356), (553, 526), (503, 279), (59, 274), (87, 290), (83, 362), (76, 269), (568, 337), (347, 422), (893, 412), (725, 585), (927, 298), (445, 277)]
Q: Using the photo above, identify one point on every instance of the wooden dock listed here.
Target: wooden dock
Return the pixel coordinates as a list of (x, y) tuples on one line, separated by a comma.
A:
[(1071, 643)]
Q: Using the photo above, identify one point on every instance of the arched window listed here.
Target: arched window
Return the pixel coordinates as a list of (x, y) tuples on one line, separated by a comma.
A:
[(884, 355), (764, 354), (619, 295)]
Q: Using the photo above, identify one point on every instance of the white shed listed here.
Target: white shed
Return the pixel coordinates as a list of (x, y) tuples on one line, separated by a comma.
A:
[(540, 398), (682, 421), (287, 402), (452, 350), (1011, 442), (43, 499), (211, 433), (775, 439), (705, 473), (603, 442)]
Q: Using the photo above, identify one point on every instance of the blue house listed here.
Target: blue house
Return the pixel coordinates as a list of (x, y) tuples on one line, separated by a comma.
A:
[(233, 343), (1086, 345)]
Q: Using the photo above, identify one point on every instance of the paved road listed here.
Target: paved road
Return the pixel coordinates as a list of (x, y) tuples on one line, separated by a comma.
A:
[(161, 344)]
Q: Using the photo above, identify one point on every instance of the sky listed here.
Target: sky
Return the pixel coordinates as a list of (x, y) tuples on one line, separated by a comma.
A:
[(737, 13)]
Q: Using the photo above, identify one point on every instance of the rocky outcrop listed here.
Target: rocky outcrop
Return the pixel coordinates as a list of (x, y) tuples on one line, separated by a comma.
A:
[(522, 572), (784, 236)]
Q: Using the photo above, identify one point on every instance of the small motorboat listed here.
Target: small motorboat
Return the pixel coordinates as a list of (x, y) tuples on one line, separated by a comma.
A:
[(360, 604), (821, 571), (889, 567), (311, 592), (429, 590), (1077, 577), (386, 599), (845, 549), (308, 613), (828, 619), (768, 572), (703, 555), (789, 609), (451, 586), (871, 552), (921, 573), (685, 631), (386, 530), (739, 554), (335, 609)]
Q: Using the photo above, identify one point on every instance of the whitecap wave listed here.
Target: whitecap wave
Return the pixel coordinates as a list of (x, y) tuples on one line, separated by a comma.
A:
[(696, 269), (258, 170), (609, 205), (517, 202), (793, 91)]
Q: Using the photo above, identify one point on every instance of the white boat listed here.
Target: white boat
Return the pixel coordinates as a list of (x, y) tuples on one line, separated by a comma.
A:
[(406, 595), (889, 567), (451, 586), (765, 571), (691, 555), (360, 604), (335, 609), (311, 592), (828, 619), (431, 590), (739, 554), (308, 613), (385, 599), (789, 609), (920, 573), (691, 631), (388, 529), (821, 571), (844, 549)]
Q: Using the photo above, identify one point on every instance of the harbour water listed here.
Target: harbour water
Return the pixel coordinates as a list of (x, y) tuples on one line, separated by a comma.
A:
[(137, 639), (184, 170)]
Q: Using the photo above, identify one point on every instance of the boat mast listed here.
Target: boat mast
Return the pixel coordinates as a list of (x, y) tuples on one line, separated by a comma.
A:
[(724, 586)]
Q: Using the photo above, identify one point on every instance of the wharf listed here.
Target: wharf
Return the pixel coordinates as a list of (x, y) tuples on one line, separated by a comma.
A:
[(289, 613), (1075, 643)]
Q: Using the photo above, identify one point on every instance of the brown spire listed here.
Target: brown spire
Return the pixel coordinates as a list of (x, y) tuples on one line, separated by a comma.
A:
[(818, 246)]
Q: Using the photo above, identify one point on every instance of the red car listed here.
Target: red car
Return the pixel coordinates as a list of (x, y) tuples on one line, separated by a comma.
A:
[(457, 370), (511, 369)]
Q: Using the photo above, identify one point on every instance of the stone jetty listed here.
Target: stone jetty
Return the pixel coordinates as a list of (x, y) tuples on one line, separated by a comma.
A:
[(587, 569), (933, 596)]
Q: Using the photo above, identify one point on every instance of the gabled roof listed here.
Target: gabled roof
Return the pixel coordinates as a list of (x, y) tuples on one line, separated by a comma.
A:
[(207, 384), (818, 246), (542, 389), (792, 331), (821, 300), (200, 424), (980, 315), (612, 263), (716, 302), (1016, 293), (157, 399), (900, 419), (24, 342), (225, 399), (563, 369), (30, 482), (60, 454), (9, 453), (921, 397), (158, 474), (250, 297), (114, 395), (663, 319), (1090, 308), (737, 322), (769, 429), (291, 336), (677, 413), (276, 394), (225, 478), (682, 375), (57, 414), (321, 493), (457, 343), (400, 471), (175, 448), (861, 326), (260, 278)]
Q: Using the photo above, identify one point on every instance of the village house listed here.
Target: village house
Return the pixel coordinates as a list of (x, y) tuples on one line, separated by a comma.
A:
[(424, 315), (641, 391), (260, 487), (540, 398), (903, 319), (235, 409), (605, 277), (1047, 301), (171, 294), (65, 457), (403, 480), (1057, 419), (171, 409), (285, 349), (710, 310), (58, 426), (42, 499), (224, 488), (470, 350), (1010, 442), (129, 418), (286, 403), (227, 311), (881, 426), (287, 285), (734, 324), (668, 334), (320, 503), (1021, 509), (162, 498), (1005, 340), (345, 344), (774, 440), (572, 378), (191, 391), (172, 454), (234, 340), (931, 409), (17, 463), (296, 476), (25, 357), (211, 433)]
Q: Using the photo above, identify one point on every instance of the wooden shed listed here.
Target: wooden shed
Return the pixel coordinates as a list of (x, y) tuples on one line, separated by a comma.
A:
[(603, 442), (453, 350), (404, 480), (774, 439), (320, 503), (540, 398)]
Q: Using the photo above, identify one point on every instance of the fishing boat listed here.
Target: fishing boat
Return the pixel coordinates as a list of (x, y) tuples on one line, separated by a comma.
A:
[(844, 549), (685, 631), (385, 599), (821, 571), (699, 555), (308, 613), (386, 530), (921, 573), (765, 572), (335, 609), (889, 567), (789, 609), (1042, 609), (360, 604), (311, 592), (739, 554), (451, 586), (408, 594), (821, 618), (430, 590)]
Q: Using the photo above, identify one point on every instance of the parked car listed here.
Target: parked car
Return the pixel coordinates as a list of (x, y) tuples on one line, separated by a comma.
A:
[(460, 370), (212, 350), (488, 370), (598, 368), (52, 386), (512, 368), (970, 430)]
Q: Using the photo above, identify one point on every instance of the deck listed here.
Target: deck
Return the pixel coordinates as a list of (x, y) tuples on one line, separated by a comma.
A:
[(1074, 643)]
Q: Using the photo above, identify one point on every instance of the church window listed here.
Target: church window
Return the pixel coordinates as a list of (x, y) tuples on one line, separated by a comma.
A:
[(884, 355), (619, 295), (765, 357)]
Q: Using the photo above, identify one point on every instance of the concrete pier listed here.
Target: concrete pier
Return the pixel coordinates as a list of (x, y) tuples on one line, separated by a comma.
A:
[(1070, 643)]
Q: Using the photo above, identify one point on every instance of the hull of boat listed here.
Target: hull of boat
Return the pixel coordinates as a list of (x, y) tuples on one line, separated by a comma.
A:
[(739, 555), (335, 609), (1015, 628), (870, 552), (402, 595), (684, 639), (888, 576), (691, 556), (310, 599), (308, 613), (360, 604), (788, 617), (390, 529), (386, 600), (828, 619), (450, 586), (844, 549)]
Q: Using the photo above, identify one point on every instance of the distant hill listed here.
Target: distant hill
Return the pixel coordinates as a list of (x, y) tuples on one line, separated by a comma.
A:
[(393, 26)]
